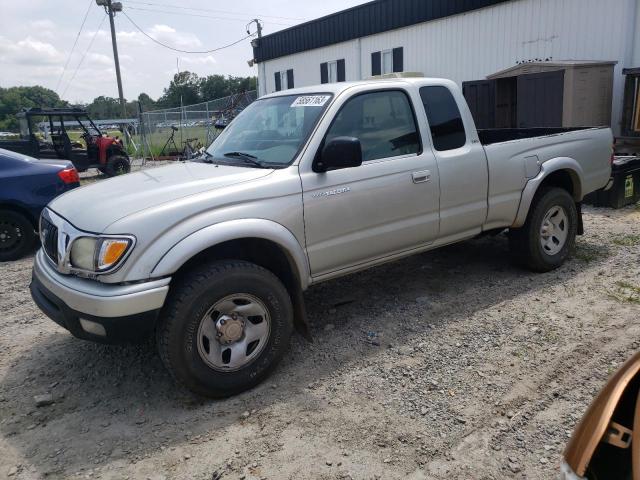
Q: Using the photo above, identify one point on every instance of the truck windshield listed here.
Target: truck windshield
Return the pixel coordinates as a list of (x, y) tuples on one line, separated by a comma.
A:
[(269, 132)]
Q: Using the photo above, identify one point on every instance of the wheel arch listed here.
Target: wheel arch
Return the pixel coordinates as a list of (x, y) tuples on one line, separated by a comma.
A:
[(263, 242), (562, 172), (33, 220), (116, 150)]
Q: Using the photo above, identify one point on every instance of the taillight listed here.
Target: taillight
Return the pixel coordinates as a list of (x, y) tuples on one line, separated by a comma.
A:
[(613, 155), (69, 175)]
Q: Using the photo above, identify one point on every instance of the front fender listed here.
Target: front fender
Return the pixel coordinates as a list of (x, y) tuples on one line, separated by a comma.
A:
[(547, 168), (216, 234)]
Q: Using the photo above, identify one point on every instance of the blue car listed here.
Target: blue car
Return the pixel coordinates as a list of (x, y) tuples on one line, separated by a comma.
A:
[(27, 185)]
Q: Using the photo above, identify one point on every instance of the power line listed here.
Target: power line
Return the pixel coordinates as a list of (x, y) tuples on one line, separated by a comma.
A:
[(244, 19), (75, 42), (84, 55), (181, 7), (179, 50)]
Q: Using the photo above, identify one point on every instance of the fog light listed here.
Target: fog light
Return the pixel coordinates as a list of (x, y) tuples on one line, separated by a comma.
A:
[(93, 327)]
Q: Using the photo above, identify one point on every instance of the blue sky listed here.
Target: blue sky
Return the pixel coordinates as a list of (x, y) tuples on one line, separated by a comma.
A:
[(37, 36)]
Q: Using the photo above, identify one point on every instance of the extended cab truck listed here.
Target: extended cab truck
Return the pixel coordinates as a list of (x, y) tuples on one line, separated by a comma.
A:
[(304, 186)]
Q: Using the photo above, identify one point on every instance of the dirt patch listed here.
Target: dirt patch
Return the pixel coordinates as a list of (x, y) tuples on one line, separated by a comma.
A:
[(449, 364)]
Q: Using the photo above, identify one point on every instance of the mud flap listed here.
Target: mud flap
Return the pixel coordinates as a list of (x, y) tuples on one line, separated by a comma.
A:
[(300, 320), (580, 230)]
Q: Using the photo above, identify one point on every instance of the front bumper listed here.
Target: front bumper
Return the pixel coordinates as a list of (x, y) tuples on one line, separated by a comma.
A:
[(96, 311)]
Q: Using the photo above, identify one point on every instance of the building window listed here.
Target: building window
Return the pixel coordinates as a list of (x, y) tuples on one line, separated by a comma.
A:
[(382, 121), (445, 121), (331, 72), (284, 80), (387, 61)]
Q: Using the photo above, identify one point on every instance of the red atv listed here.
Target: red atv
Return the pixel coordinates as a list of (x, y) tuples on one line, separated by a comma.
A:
[(99, 151)]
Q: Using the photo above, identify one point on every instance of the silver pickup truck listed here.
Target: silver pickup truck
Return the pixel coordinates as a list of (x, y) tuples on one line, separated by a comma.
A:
[(305, 185)]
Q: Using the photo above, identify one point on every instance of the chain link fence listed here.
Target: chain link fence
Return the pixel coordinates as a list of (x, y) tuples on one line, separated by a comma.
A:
[(175, 132)]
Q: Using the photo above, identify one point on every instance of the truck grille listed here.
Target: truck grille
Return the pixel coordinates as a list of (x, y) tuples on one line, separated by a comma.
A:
[(50, 239)]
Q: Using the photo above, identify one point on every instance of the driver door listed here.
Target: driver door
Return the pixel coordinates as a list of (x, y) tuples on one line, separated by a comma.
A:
[(389, 204)]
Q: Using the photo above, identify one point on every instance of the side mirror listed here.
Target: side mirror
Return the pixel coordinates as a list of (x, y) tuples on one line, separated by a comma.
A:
[(340, 152)]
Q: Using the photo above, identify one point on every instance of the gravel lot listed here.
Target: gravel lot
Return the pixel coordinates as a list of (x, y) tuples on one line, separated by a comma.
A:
[(447, 365)]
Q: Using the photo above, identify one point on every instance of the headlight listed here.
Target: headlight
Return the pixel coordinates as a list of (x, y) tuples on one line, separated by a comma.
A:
[(95, 254), (83, 253)]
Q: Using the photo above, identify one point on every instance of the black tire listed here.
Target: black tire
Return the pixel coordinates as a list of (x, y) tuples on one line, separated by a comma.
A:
[(17, 235), (525, 243), (190, 299), (117, 165)]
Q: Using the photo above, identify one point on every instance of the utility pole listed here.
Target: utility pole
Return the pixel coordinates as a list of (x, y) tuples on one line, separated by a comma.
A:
[(111, 8), (254, 44)]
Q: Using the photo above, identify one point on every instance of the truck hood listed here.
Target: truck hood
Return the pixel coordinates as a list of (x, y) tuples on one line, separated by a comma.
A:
[(94, 207)]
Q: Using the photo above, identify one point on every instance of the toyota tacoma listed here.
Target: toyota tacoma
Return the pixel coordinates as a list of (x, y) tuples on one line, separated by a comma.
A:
[(305, 185)]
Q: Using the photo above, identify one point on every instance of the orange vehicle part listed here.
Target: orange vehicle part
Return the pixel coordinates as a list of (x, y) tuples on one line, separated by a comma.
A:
[(635, 443), (595, 423)]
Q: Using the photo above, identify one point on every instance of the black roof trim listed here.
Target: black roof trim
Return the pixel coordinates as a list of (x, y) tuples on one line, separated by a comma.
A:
[(54, 111), (360, 21)]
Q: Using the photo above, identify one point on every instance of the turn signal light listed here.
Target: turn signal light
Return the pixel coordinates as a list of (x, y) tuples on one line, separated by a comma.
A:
[(110, 252), (69, 175)]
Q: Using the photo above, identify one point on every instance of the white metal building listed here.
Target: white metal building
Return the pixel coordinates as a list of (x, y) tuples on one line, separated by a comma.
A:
[(457, 39)]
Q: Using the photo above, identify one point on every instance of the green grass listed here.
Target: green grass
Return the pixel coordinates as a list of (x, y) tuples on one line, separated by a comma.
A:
[(588, 253), (627, 240), (626, 292), (156, 139)]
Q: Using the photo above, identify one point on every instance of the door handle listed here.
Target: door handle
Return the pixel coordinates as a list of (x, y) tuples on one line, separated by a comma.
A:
[(421, 177)]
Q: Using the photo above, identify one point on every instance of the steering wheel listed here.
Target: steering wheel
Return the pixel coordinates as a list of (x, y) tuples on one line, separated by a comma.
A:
[(86, 136)]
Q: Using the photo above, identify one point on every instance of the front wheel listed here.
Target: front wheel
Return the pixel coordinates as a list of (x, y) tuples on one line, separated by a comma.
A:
[(224, 327), (548, 236)]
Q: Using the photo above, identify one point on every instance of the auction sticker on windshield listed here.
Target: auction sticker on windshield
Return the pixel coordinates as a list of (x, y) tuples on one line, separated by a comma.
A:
[(311, 101)]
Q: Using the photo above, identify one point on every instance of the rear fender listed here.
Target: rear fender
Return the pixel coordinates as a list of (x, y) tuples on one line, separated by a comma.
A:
[(550, 166)]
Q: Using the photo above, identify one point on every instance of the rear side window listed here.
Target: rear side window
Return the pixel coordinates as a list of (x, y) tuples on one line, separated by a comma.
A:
[(382, 121), (444, 118)]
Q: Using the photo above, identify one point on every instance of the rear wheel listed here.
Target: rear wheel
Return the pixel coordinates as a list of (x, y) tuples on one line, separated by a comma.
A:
[(117, 165), (224, 327), (17, 235), (548, 236)]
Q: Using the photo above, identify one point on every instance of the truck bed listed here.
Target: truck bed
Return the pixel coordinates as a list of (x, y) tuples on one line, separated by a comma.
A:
[(515, 156), (497, 135)]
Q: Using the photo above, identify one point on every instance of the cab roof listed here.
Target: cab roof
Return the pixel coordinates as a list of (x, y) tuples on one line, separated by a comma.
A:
[(338, 88)]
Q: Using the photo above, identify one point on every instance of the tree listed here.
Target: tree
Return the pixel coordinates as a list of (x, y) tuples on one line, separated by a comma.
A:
[(104, 107), (185, 85), (217, 86), (14, 99), (146, 102), (214, 86), (183, 89)]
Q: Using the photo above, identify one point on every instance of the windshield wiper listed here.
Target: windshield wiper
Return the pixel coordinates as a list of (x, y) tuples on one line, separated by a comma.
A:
[(240, 155), (205, 158), (246, 158)]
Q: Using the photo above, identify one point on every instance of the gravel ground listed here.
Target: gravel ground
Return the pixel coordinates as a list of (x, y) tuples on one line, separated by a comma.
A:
[(448, 365)]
